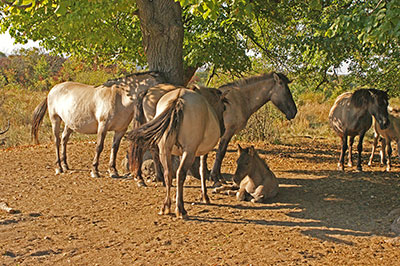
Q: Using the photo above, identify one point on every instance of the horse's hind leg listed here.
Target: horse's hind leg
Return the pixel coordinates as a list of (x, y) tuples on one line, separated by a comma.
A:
[(101, 134), (350, 155), (64, 140), (389, 156), (166, 161), (383, 151), (112, 170), (186, 162), (55, 124), (359, 149), (376, 137), (342, 153), (203, 174), (157, 164)]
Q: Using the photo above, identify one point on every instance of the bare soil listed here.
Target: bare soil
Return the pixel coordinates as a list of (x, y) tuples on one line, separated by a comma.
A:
[(320, 217)]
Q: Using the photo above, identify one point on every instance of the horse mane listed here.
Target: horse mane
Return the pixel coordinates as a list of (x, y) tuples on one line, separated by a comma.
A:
[(118, 81), (248, 80), (364, 96)]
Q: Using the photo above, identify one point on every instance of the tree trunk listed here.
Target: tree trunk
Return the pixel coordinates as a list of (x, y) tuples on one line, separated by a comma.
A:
[(162, 29)]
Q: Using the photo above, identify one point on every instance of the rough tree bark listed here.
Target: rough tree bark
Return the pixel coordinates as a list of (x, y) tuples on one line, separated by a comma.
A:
[(162, 29)]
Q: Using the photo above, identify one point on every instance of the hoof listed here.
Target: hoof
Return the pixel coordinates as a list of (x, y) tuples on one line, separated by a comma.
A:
[(94, 174), (206, 200), (141, 183), (65, 167), (59, 171), (340, 167), (183, 216), (114, 175), (164, 211)]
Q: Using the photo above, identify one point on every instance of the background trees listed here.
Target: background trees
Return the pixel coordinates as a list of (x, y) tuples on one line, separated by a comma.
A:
[(309, 40)]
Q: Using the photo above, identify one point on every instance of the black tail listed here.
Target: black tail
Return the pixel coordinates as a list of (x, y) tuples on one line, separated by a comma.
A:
[(151, 133), (37, 118)]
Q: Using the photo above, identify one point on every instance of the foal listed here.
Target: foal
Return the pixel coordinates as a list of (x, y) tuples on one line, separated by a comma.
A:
[(253, 177)]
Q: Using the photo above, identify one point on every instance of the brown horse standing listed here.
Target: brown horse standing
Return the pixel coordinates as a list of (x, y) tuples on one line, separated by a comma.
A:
[(351, 116), (93, 110), (186, 124), (391, 133), (246, 97)]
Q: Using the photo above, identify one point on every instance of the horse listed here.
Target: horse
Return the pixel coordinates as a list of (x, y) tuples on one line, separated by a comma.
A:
[(351, 116), (92, 110), (146, 112), (186, 124), (252, 178), (246, 96), (390, 133)]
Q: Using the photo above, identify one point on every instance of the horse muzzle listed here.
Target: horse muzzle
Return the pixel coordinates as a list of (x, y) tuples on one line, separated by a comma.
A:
[(384, 123)]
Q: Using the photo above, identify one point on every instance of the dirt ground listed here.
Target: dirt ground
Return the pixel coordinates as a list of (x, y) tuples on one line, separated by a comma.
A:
[(320, 217)]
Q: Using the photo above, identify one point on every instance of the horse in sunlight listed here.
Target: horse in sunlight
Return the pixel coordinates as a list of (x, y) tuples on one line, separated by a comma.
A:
[(351, 116), (391, 133), (92, 110), (187, 123), (253, 180), (246, 96)]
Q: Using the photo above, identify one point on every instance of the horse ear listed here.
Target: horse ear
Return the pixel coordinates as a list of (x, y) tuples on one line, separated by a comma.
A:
[(276, 77), (252, 151), (240, 150)]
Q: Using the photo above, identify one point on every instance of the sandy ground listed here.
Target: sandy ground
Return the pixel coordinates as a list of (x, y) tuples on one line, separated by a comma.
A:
[(320, 217)]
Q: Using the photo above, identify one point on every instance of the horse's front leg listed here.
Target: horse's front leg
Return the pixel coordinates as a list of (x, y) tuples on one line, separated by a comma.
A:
[(64, 140), (350, 155), (342, 153), (203, 174), (222, 147), (112, 170), (359, 149), (186, 162), (101, 134), (376, 137)]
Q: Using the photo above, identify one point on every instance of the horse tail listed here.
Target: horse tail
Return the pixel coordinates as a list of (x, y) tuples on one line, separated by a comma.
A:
[(149, 134), (37, 119)]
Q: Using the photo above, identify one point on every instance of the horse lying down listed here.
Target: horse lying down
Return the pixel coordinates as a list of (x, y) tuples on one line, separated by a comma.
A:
[(253, 179)]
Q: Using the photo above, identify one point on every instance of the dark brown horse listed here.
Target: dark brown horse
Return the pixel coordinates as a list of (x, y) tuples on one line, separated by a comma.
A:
[(351, 116)]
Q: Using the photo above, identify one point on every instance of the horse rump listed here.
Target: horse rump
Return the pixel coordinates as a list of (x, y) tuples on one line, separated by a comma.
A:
[(151, 133)]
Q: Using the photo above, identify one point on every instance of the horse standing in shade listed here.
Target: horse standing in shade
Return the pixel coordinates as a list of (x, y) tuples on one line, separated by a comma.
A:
[(93, 110), (392, 132), (351, 116), (186, 124), (246, 97)]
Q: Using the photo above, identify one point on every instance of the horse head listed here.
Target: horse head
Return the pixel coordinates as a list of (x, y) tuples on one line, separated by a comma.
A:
[(378, 107), (282, 97), (244, 163)]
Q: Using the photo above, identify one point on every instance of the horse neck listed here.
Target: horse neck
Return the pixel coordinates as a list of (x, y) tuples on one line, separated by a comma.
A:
[(258, 170), (257, 93)]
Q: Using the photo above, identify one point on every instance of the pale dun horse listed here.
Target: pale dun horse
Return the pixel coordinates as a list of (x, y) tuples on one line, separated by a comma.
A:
[(253, 179), (351, 116), (392, 133), (246, 96), (186, 124), (92, 110)]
